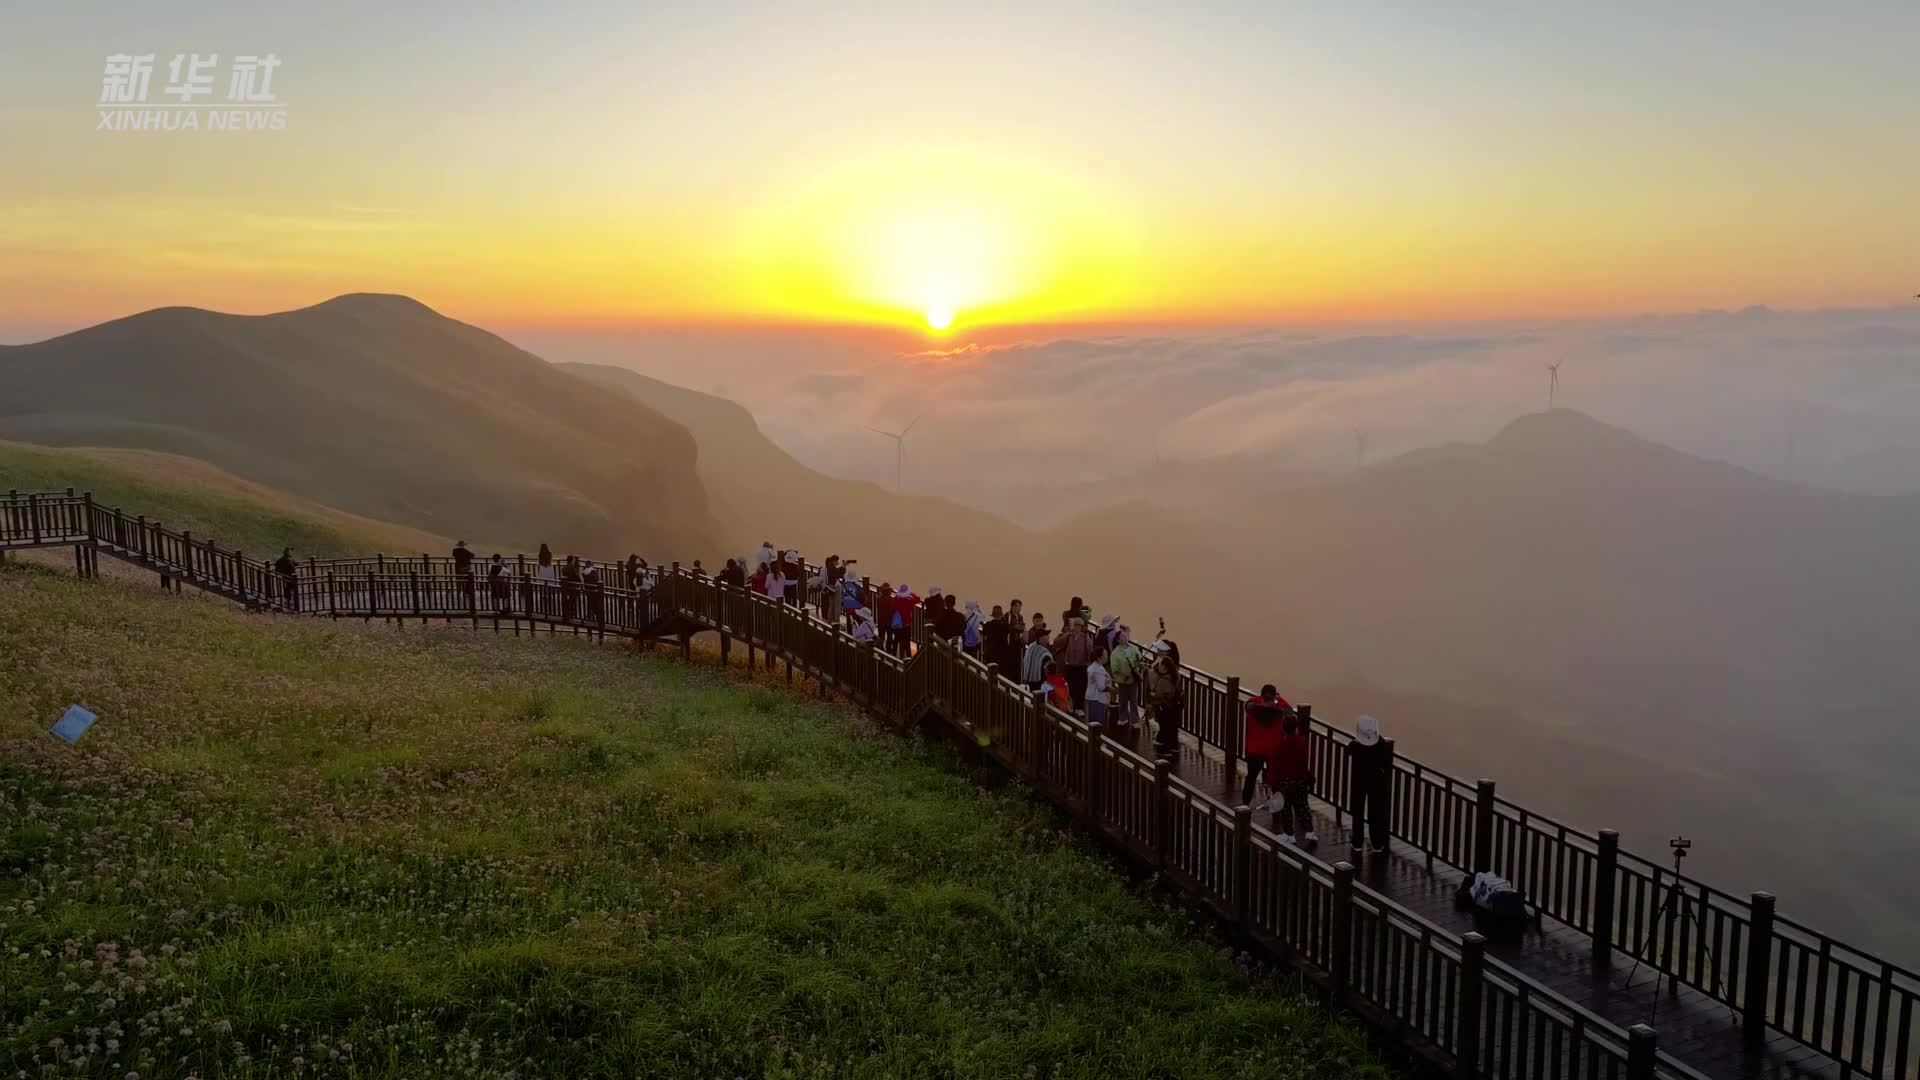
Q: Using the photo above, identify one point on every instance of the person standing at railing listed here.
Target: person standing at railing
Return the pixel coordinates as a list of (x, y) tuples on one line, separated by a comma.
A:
[(541, 587), (1016, 624), (1098, 688), (1035, 660), (1371, 783), (948, 622), (994, 642), (863, 630), (1266, 717), (970, 636), (776, 583), (498, 578), (900, 624), (1291, 772), (851, 602), (570, 588), (764, 557), (463, 571), (289, 586), (1166, 692), (596, 600), (1073, 649), (733, 575), (1058, 695), (1126, 662)]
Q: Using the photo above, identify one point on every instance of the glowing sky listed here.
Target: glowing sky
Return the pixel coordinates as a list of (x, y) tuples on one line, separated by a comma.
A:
[(997, 164)]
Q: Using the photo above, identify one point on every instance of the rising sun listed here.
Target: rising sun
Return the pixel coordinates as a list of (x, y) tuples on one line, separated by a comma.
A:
[(939, 318)]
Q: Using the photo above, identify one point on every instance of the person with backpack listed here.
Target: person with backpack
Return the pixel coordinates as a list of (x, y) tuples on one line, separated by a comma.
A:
[(1166, 692), (1073, 649), (970, 637), (863, 631), (1371, 760), (1265, 722), (1291, 773), (851, 602), (1126, 662)]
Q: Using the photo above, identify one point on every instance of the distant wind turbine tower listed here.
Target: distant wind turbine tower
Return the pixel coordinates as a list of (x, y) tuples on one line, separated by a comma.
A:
[(899, 450), (1553, 381)]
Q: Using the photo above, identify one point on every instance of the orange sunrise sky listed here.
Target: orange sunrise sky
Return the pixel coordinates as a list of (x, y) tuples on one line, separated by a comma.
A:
[(604, 166)]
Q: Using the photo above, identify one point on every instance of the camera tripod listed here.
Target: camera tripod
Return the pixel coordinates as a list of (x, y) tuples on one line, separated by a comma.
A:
[(1671, 906)]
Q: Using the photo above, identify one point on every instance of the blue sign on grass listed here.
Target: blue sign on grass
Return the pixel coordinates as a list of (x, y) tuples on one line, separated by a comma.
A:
[(74, 724)]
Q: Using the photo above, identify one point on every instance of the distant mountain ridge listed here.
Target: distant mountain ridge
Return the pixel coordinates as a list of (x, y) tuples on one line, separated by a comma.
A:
[(378, 405), (761, 492)]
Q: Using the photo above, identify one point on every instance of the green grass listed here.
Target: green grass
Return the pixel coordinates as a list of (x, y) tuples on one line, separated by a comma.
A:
[(212, 504), (296, 848)]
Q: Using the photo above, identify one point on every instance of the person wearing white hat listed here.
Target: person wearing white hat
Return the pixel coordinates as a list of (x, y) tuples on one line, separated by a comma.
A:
[(863, 631), (1371, 760)]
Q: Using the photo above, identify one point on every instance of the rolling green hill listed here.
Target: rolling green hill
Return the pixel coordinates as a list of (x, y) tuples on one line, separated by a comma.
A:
[(207, 501), (381, 407)]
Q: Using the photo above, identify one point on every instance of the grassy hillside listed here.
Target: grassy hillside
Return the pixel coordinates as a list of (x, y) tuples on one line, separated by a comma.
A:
[(192, 495), (377, 405), (296, 847)]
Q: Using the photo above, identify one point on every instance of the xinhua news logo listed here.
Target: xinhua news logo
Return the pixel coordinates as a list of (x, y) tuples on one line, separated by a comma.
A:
[(250, 103)]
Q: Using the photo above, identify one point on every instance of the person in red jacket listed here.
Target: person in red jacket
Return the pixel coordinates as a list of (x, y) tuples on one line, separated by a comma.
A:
[(1291, 772), (1265, 715), (900, 626)]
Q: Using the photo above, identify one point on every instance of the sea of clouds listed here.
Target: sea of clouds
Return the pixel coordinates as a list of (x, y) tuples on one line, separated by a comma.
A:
[(1039, 426)]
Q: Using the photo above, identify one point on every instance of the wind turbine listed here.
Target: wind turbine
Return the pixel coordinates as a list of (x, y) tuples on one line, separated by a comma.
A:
[(1553, 380), (899, 449)]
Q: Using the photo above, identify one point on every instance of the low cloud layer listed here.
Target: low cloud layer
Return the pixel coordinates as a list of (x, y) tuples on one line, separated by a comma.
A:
[(1825, 398)]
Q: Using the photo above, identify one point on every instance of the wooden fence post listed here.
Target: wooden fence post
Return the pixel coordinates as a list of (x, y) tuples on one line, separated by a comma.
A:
[(1466, 1032), (1095, 733), (1604, 887), (1483, 828), (413, 582), (1340, 964), (1236, 732), (1643, 1047), (1162, 811), (333, 604), (1242, 880), (1753, 1004)]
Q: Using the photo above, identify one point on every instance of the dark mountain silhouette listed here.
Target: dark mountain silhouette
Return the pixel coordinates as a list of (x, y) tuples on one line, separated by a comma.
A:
[(760, 492), (378, 405), (1621, 633)]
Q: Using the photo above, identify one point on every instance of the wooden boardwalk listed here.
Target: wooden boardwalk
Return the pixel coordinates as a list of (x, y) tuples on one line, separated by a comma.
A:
[(1383, 937), (1693, 1027)]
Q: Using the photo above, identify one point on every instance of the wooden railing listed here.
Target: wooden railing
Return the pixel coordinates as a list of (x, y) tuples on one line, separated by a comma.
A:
[(1440, 991)]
